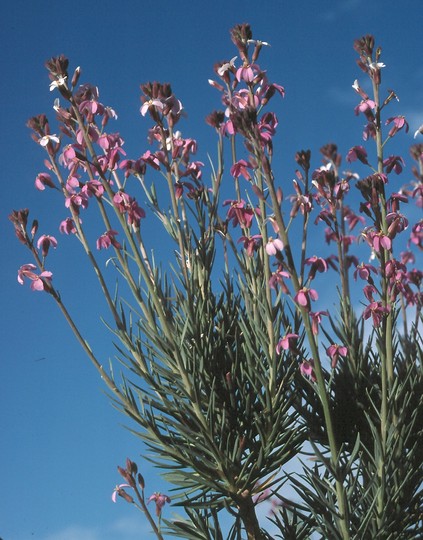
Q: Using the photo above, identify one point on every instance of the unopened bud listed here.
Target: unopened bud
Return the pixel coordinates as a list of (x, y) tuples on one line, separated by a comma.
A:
[(131, 467), (258, 192), (279, 195), (141, 482), (34, 228), (127, 476), (75, 77), (122, 493)]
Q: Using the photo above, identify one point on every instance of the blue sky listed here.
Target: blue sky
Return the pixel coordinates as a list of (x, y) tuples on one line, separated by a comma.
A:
[(61, 438)]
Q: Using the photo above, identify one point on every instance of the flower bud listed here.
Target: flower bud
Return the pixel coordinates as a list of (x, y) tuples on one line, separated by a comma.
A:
[(131, 467), (34, 228), (141, 482), (75, 77)]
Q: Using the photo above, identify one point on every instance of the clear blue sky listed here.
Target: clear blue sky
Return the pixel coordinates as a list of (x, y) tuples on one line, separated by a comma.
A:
[(60, 437)]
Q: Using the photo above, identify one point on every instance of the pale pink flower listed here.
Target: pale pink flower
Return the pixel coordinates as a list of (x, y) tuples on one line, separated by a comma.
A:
[(44, 243), (399, 122), (377, 311), (307, 370), (334, 351), (304, 296), (274, 245), (39, 282), (316, 319), (43, 180), (67, 226), (108, 239), (288, 342), (160, 500)]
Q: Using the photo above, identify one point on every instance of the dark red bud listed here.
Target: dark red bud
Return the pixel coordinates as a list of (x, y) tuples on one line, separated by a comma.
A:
[(131, 467), (141, 482), (122, 493), (75, 77)]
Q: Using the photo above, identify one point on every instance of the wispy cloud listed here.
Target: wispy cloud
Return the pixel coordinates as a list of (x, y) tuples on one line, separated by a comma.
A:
[(76, 532), (125, 528), (345, 6)]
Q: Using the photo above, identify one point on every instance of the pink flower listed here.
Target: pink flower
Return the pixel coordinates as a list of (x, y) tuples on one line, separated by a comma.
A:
[(316, 319), (377, 311), (39, 282), (77, 201), (240, 168), (307, 370), (93, 188), (377, 240), (276, 280), (363, 271), (334, 352), (288, 342), (317, 265), (369, 291), (160, 500), (399, 123), (395, 163), (273, 246), (381, 241), (44, 243), (151, 159), (366, 107), (357, 152), (43, 180), (246, 73), (127, 204), (304, 296), (108, 239), (67, 226), (68, 156), (240, 213), (251, 243), (416, 236)]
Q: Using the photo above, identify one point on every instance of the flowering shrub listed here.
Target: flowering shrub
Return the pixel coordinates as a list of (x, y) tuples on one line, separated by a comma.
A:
[(233, 369)]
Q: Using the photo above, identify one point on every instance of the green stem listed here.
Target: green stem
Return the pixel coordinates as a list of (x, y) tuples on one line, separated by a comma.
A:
[(321, 385)]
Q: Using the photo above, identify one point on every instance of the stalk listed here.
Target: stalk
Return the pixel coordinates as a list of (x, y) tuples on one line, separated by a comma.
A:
[(321, 385)]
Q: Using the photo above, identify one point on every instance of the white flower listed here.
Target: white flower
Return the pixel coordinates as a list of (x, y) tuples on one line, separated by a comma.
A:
[(258, 42), (61, 81), (47, 138), (224, 67), (326, 167), (374, 66)]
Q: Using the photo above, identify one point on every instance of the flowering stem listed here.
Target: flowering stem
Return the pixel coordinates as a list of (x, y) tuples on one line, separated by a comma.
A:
[(386, 364), (143, 507), (321, 385)]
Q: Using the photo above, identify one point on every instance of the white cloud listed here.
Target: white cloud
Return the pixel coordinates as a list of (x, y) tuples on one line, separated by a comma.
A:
[(125, 528), (128, 527), (76, 532)]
